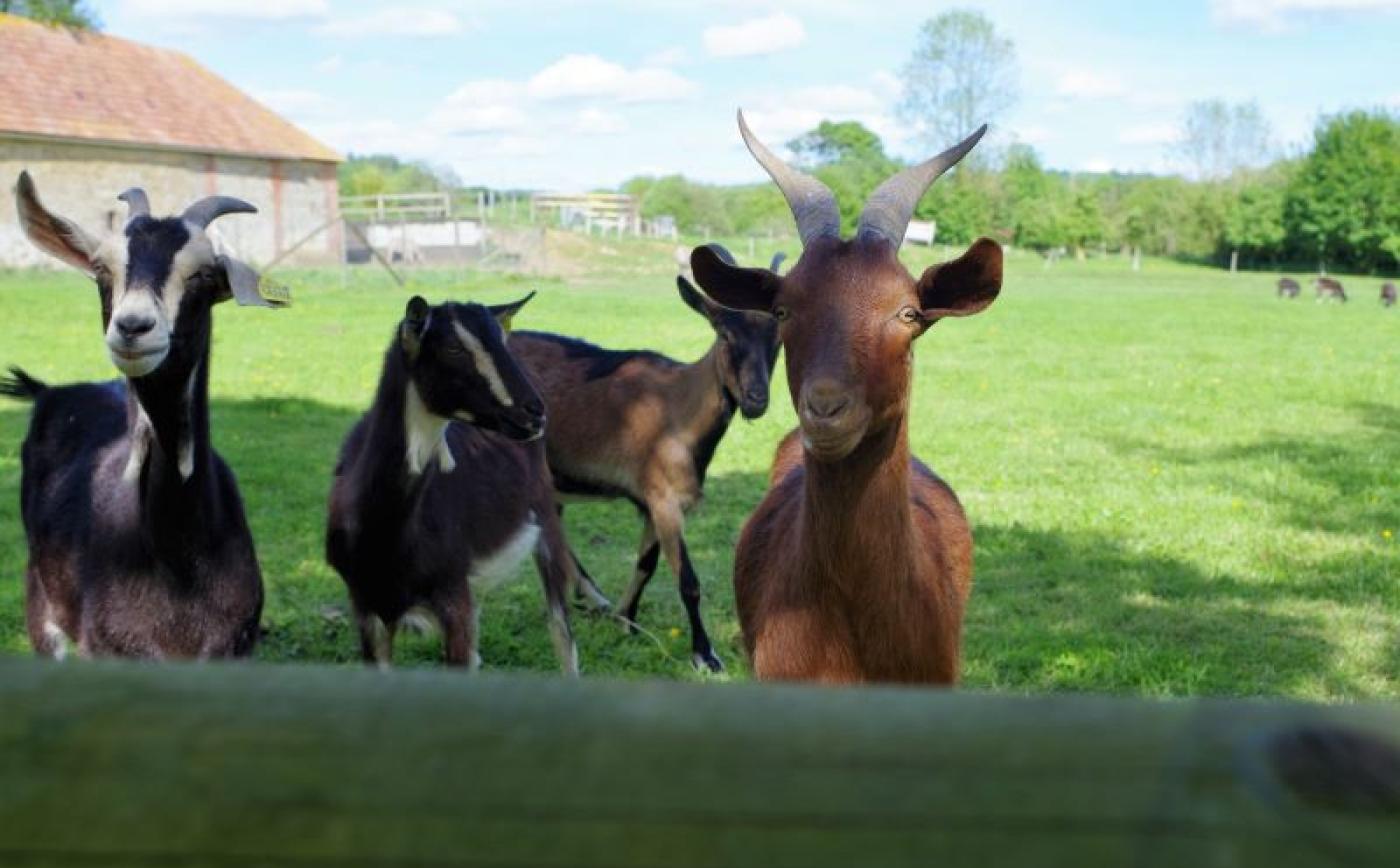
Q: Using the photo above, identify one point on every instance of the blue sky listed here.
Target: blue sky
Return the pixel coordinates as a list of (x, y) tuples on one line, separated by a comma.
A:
[(569, 95)]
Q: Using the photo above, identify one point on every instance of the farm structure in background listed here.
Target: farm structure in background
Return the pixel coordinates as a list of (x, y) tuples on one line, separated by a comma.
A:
[(90, 113)]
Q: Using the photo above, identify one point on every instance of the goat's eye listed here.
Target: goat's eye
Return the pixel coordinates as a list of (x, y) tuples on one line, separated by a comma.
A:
[(910, 315), (453, 349), (781, 313)]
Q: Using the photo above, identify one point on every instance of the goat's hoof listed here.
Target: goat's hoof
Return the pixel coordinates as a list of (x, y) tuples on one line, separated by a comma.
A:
[(706, 661)]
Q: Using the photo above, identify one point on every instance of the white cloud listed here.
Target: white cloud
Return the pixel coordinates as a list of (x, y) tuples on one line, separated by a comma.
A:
[(1032, 134), (673, 56), (263, 10), (1157, 133), (588, 75), (768, 35), (1273, 16), (296, 103), (1089, 84), (1098, 165), (394, 21), (596, 122), (778, 117), (330, 65)]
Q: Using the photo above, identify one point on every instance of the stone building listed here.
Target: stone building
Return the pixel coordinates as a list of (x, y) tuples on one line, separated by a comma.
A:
[(91, 115)]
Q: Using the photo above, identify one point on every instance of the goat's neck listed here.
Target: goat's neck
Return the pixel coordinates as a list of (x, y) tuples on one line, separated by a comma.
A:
[(168, 418), (402, 439), (701, 393), (170, 456), (855, 513)]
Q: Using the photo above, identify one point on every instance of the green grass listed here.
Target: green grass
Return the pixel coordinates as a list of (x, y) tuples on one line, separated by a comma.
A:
[(1179, 485)]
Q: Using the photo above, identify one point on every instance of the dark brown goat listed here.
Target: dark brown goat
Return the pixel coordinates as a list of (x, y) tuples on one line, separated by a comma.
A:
[(443, 485), (1288, 288), (1387, 294), (857, 564), (644, 427)]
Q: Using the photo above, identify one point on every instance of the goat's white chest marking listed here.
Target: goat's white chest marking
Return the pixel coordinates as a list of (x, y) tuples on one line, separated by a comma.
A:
[(493, 569), (426, 435), (485, 365)]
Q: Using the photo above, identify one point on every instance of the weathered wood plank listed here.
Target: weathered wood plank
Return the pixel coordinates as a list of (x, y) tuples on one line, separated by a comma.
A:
[(108, 764)]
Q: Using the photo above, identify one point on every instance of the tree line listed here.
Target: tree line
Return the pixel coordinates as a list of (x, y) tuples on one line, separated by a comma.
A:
[(1337, 206)]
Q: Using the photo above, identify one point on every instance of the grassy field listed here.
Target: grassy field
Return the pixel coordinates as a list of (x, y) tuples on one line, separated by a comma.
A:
[(1179, 485)]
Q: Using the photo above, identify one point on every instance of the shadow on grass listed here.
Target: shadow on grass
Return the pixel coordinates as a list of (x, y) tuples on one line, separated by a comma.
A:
[(1338, 485), (1057, 610)]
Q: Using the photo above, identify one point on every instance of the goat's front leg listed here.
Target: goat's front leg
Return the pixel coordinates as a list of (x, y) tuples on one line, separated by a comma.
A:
[(669, 522)]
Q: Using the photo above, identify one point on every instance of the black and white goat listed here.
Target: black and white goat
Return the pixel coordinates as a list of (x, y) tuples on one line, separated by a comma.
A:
[(138, 545), (443, 485)]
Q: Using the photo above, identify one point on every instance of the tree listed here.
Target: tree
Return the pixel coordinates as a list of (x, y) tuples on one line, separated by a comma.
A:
[(1343, 205), (1219, 139), (962, 74), (61, 13), (1254, 216), (830, 142), (362, 175)]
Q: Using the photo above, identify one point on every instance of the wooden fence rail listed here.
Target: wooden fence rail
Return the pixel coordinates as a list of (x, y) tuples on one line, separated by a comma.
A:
[(111, 764)]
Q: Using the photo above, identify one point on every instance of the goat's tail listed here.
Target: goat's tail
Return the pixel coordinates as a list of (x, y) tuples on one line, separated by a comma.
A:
[(21, 386)]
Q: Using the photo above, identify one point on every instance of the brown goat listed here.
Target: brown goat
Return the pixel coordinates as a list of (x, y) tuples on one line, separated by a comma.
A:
[(1387, 294), (858, 563), (642, 426)]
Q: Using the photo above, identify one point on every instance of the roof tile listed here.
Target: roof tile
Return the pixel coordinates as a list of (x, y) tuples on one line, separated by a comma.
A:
[(81, 85)]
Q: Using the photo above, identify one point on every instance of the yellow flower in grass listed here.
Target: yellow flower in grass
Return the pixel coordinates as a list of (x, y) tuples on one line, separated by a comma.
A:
[(675, 632), (1387, 533)]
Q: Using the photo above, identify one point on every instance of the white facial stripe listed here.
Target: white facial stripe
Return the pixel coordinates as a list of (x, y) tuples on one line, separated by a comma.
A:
[(484, 364)]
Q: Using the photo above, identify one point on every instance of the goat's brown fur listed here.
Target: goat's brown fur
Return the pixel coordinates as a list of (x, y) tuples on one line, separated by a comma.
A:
[(644, 427), (857, 565)]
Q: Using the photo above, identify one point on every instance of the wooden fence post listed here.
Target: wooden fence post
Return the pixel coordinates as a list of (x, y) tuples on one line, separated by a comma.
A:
[(120, 764)]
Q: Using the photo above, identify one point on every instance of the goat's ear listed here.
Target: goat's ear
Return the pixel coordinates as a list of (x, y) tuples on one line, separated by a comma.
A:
[(245, 286), (504, 313), (57, 236), (965, 286), (415, 323), (695, 301), (731, 285)]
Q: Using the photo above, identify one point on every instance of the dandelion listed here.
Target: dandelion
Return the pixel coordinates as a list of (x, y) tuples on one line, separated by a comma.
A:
[(674, 632), (1387, 533)]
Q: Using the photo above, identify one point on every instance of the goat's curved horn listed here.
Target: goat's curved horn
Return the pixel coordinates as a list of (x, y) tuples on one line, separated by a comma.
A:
[(812, 203), (889, 208), (206, 211), (137, 205)]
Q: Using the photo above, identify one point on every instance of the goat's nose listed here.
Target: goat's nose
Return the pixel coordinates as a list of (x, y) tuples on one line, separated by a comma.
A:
[(131, 327), (534, 407), (825, 399)]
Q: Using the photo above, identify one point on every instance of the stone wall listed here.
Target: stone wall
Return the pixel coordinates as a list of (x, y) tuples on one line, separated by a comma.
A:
[(81, 182)]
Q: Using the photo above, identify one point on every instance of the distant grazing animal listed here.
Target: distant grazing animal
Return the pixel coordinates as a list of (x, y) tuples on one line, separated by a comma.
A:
[(442, 486), (857, 564), (1329, 287), (138, 545), (1288, 287), (1388, 294), (644, 427)]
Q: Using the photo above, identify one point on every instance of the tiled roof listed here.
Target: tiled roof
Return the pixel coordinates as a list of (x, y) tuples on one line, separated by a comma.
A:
[(80, 85)]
